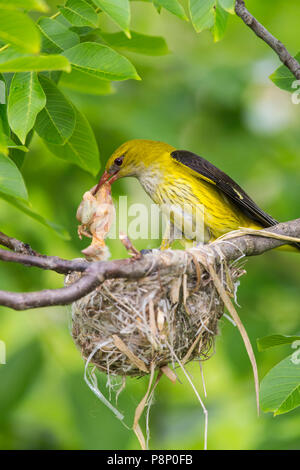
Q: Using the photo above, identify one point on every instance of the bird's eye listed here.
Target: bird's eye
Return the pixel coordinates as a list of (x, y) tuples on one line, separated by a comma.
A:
[(118, 161)]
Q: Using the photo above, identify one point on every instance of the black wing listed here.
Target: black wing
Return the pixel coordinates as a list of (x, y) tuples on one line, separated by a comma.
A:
[(225, 184)]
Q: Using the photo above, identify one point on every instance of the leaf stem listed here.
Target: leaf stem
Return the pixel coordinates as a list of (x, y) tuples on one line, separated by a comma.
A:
[(4, 47), (55, 15)]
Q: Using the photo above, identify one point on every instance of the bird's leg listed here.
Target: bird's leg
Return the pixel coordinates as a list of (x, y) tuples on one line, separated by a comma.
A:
[(129, 246), (165, 244), (186, 243), (168, 237)]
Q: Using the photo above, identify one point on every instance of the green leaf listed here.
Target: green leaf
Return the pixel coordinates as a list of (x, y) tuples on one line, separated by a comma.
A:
[(92, 4), (101, 61), (228, 5), (3, 139), (140, 43), (18, 29), (80, 81), (81, 149), (275, 340), (10, 53), (56, 122), (11, 180), (157, 7), (12, 145), (18, 376), (53, 75), (83, 31), (17, 150), (38, 5), (3, 114), (283, 78), (3, 119), (118, 11), (55, 36), (28, 63), (4, 126), (219, 28), (280, 388), (202, 14), (26, 100), (26, 209), (173, 6), (79, 13)]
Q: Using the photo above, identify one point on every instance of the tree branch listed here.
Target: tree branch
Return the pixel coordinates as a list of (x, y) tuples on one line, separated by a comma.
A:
[(286, 58), (97, 272), (16, 245), (52, 263), (24, 254)]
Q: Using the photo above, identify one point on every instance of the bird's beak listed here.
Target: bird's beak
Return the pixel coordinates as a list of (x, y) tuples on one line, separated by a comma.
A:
[(104, 178)]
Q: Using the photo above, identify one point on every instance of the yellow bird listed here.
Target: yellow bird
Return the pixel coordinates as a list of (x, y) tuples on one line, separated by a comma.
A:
[(202, 202)]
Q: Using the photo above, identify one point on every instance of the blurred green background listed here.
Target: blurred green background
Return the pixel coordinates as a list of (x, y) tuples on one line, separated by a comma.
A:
[(215, 100)]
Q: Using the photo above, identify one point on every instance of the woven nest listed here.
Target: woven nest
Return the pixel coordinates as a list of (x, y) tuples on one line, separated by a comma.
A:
[(125, 325)]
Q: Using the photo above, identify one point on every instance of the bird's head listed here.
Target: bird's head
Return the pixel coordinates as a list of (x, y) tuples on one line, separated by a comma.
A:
[(136, 158)]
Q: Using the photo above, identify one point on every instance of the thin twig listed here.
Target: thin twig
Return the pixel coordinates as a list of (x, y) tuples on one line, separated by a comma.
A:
[(16, 245), (286, 58), (52, 263)]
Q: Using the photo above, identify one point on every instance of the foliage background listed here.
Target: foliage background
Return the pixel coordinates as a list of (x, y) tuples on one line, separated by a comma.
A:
[(213, 99)]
